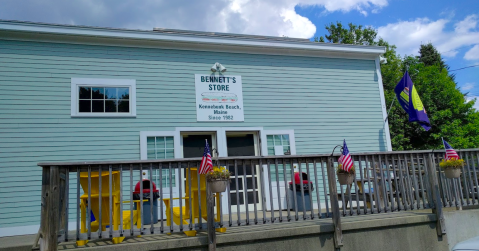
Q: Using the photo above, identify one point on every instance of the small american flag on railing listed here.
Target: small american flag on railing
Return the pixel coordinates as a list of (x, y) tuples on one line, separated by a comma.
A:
[(450, 153), (206, 163), (345, 159)]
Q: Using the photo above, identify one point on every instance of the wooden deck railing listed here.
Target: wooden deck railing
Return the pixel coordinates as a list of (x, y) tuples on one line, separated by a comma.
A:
[(259, 193)]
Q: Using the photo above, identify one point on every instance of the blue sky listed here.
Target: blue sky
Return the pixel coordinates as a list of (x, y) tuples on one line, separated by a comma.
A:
[(452, 26), (399, 11)]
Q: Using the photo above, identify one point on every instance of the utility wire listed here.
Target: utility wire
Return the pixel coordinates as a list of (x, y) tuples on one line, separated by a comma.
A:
[(476, 65)]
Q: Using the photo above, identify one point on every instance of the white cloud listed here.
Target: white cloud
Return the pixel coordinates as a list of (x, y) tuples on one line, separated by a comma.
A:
[(473, 53), (261, 17), (409, 35), (466, 25), (468, 86), (470, 98)]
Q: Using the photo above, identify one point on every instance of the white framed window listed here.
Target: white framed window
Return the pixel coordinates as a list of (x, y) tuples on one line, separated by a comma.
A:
[(160, 145), (98, 97), (279, 142)]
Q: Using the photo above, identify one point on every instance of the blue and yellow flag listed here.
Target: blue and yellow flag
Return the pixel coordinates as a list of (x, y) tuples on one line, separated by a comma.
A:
[(411, 103)]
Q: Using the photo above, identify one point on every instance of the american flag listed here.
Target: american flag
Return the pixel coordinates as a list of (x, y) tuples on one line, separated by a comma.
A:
[(345, 159), (206, 163), (450, 153)]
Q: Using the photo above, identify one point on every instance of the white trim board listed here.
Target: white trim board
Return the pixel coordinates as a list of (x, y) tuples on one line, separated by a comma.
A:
[(154, 35), (383, 105), (193, 40)]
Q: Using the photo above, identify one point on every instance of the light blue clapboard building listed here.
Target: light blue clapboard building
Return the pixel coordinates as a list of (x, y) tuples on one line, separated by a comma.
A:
[(76, 93)]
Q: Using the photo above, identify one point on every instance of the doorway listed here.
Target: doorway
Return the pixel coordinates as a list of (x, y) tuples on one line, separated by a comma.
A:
[(244, 185)]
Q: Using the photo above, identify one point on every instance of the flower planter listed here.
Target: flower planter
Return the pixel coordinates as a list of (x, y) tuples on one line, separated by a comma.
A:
[(345, 178), (452, 173), (218, 186)]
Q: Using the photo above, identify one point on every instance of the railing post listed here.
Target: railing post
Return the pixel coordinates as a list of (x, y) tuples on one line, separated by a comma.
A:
[(333, 195), (210, 213), (437, 208), (50, 208)]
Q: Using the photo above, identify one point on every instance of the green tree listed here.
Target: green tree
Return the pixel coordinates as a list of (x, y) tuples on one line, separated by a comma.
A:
[(353, 34), (451, 115), (428, 55)]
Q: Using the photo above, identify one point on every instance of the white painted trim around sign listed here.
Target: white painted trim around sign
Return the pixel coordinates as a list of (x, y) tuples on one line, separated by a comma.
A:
[(383, 105), (75, 82)]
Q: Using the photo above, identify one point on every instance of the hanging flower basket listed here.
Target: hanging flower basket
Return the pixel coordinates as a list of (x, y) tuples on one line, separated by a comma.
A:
[(452, 173), (217, 186), (452, 167), (218, 179), (345, 177)]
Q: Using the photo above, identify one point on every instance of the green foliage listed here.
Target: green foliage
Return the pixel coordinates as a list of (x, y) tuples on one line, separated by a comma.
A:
[(353, 34), (450, 114), (320, 39), (428, 55)]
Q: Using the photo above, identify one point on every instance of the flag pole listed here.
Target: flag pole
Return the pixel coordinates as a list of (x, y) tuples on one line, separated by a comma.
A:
[(390, 107), (443, 144), (394, 99)]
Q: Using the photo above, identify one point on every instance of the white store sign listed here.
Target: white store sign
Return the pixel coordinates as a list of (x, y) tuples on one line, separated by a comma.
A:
[(219, 98)]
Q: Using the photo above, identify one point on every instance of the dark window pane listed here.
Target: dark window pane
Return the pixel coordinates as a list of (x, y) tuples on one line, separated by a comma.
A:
[(110, 105), (251, 197), (233, 184), (98, 93), (194, 145), (85, 106), (241, 195), (97, 106), (231, 168), (240, 170), (234, 201), (123, 93), (248, 169), (84, 93), (249, 182), (123, 106), (240, 145), (110, 93)]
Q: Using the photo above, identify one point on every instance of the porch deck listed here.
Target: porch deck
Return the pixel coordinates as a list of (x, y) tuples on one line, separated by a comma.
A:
[(398, 184)]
